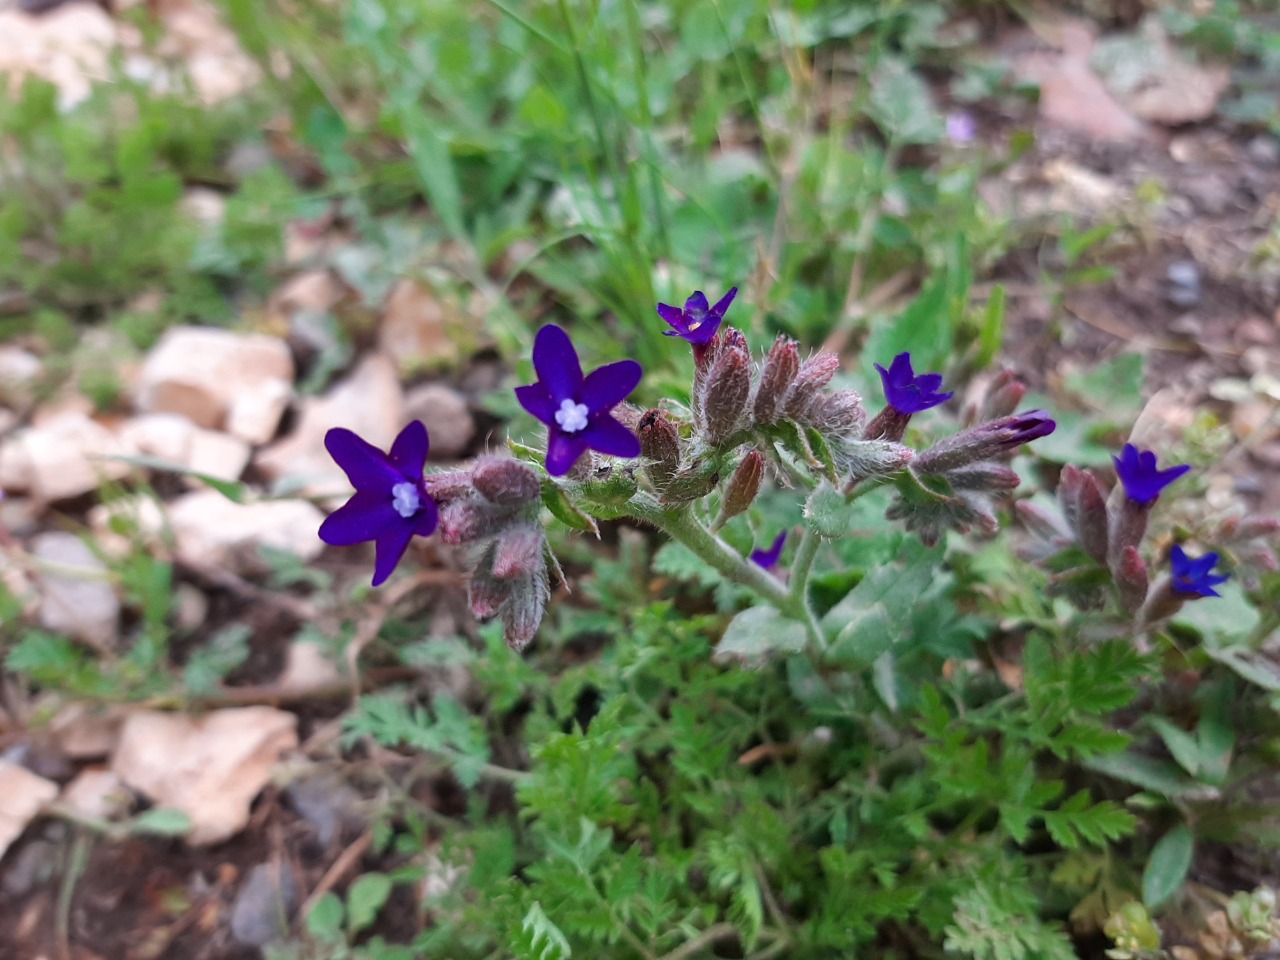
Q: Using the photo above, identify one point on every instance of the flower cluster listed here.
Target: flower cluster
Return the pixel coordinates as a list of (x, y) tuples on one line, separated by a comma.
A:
[(745, 417)]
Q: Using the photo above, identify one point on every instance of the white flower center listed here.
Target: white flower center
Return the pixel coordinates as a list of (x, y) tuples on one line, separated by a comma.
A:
[(404, 497), (571, 416)]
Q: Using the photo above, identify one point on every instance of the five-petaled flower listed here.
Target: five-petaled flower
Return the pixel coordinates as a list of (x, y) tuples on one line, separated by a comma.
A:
[(1194, 578), (1138, 474), (576, 409), (391, 504), (769, 558), (909, 392), (698, 322)]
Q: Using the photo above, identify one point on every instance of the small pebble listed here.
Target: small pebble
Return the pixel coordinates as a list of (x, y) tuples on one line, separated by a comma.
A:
[(263, 905), (1184, 283)]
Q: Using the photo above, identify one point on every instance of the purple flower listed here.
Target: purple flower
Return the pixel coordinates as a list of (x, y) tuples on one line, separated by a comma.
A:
[(769, 558), (576, 409), (697, 323), (1137, 471), (961, 127), (908, 392), (391, 503), (1194, 578)]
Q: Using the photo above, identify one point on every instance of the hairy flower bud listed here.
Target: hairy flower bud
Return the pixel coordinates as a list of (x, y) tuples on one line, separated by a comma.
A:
[(1240, 529), (1091, 518), (660, 447), (448, 484), (814, 374), (840, 413), (888, 424), (523, 611), (780, 369), (1002, 396), (518, 552), (743, 486), (505, 481), (984, 441), (1042, 522), (986, 477), (691, 484), (724, 395), (865, 459), (1162, 601), (1128, 525), (487, 595), (1131, 579), (471, 518)]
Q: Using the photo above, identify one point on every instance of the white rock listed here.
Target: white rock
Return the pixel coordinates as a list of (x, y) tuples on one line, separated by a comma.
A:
[(70, 47), (415, 329), (205, 206), (18, 372), (76, 595), (217, 377), (211, 530), (141, 516), (368, 402), (62, 457), (96, 794), (85, 732), (176, 439), (444, 413), (220, 455), (22, 796), (209, 767)]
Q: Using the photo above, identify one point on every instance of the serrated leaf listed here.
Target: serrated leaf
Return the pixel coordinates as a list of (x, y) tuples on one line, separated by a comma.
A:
[(1167, 866), (758, 633), (679, 562), (543, 938)]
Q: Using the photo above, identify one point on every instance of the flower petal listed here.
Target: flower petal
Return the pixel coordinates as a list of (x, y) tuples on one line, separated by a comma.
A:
[(607, 386), (391, 546), (723, 303), (697, 304), (428, 517), (367, 467), (610, 437), (366, 516), (556, 362), (537, 400), (564, 449), (673, 316), (409, 452)]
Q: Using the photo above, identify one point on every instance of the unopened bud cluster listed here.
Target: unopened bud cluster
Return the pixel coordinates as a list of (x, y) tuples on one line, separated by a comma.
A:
[(495, 505)]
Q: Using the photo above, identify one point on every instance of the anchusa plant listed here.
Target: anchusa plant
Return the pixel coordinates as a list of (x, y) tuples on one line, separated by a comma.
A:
[(687, 470)]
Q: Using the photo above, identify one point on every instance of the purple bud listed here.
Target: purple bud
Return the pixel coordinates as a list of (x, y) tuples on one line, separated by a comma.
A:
[(691, 484), (986, 477), (779, 372), (471, 518), (888, 424), (1092, 522), (1127, 527), (725, 393), (518, 552), (838, 413), (1002, 396), (865, 459), (743, 486), (525, 609), (1240, 529), (984, 441), (486, 595), (1131, 579), (505, 481), (814, 374), (660, 447), (448, 485)]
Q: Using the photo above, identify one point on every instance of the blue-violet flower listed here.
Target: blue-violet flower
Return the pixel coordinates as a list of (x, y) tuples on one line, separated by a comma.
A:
[(1194, 578), (769, 558), (576, 409), (1141, 480), (391, 504), (909, 392), (698, 322)]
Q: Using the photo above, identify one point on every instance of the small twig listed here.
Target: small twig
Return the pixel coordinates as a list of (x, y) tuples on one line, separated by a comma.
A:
[(346, 860), (713, 934)]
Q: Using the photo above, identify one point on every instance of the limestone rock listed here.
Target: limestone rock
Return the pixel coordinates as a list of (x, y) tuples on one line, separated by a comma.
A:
[(212, 530), (415, 329), (76, 596), (62, 457), (240, 382), (444, 413), (22, 796), (18, 372), (368, 402), (96, 794), (176, 439), (210, 767)]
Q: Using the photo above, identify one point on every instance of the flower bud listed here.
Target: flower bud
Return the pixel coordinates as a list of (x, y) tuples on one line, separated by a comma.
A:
[(1131, 579), (985, 477), (448, 485), (471, 518), (1002, 396), (839, 413), (743, 486), (1069, 495), (1042, 522), (518, 552), (779, 372), (984, 441), (505, 481), (1237, 530), (814, 374), (524, 610), (660, 447), (487, 595), (888, 424), (865, 459), (1162, 601), (1091, 518), (1127, 527), (725, 393), (691, 484)]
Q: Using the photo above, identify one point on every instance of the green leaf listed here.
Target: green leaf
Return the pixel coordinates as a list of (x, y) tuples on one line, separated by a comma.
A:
[(1113, 388), (1158, 776), (234, 491), (828, 513), (324, 920), (759, 632), (162, 822), (867, 635), (1167, 866), (923, 329), (541, 938), (564, 510), (365, 898), (1182, 745), (430, 155), (991, 335), (901, 104)]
